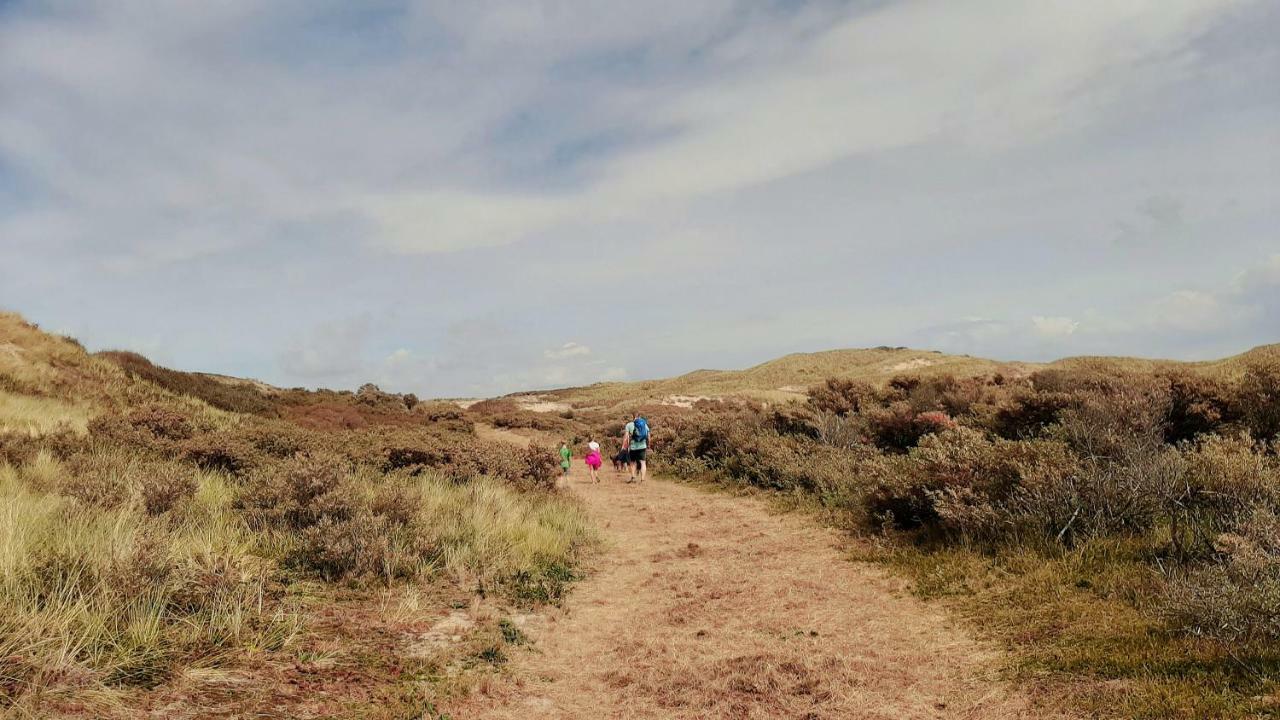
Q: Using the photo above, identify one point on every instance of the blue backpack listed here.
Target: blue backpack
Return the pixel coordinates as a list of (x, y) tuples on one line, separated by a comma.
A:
[(641, 432)]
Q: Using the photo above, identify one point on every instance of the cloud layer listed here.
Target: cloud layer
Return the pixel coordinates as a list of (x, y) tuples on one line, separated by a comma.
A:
[(470, 198)]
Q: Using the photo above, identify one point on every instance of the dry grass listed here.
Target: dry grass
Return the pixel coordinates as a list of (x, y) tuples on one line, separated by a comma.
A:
[(1073, 618), (34, 416)]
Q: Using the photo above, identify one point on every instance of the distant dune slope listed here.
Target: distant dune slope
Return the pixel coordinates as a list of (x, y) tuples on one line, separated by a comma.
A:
[(788, 377)]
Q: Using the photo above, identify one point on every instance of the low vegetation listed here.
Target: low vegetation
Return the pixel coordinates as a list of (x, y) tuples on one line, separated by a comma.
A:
[(155, 524), (1116, 527)]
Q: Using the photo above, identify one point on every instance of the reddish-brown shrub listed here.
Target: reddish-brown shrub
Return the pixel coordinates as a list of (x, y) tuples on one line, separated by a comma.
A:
[(899, 427), (299, 493), (350, 547), (221, 452), (164, 487), (1197, 406), (1027, 412), (162, 422), (1260, 399), (842, 397), (541, 467)]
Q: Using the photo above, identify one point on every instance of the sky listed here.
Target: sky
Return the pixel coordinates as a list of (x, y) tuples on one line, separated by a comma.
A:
[(466, 199)]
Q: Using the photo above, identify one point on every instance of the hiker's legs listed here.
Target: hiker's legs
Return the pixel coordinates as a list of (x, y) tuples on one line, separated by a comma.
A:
[(637, 464), (644, 470)]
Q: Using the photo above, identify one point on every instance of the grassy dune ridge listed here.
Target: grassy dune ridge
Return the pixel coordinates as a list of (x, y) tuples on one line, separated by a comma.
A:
[(788, 378)]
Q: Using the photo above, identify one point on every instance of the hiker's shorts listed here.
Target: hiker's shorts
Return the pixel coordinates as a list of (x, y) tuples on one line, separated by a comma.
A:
[(636, 456)]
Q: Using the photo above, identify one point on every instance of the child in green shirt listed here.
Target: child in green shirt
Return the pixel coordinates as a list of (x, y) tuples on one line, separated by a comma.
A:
[(565, 455)]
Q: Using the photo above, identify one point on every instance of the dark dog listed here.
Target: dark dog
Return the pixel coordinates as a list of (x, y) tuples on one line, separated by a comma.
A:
[(620, 461)]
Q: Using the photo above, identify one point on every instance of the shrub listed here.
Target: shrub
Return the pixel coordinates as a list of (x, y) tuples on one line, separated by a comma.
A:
[(794, 419), (960, 482), (1197, 406), (1237, 600), (1027, 412), (1101, 498), (163, 423), (842, 397), (100, 479), (495, 406), (1227, 479), (298, 494), (222, 453), (164, 487), (541, 467), (337, 548), (1260, 399), (277, 440), (116, 430), (899, 428), (1117, 423)]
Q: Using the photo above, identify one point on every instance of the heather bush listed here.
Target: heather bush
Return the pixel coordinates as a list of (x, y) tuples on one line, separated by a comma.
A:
[(276, 440), (1197, 406), (165, 486), (357, 546), (1113, 425), (1260, 399), (163, 423), (843, 397), (223, 452), (100, 479), (541, 468), (899, 427), (1026, 413), (299, 493)]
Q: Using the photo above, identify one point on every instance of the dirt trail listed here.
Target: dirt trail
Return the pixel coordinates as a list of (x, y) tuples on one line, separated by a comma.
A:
[(709, 606)]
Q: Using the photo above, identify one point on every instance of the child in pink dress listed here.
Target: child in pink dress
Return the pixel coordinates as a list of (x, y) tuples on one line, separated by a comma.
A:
[(593, 459)]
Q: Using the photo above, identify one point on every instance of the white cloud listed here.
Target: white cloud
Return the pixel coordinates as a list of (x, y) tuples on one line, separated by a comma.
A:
[(857, 88), (568, 350), (1054, 327)]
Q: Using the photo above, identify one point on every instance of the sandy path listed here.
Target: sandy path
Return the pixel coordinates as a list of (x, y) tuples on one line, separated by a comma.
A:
[(708, 606)]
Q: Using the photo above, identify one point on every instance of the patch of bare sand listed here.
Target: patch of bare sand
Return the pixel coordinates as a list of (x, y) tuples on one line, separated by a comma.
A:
[(708, 606), (682, 401), (914, 364)]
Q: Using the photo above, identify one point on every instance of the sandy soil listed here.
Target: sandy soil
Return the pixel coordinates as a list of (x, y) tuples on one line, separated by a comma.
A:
[(710, 606)]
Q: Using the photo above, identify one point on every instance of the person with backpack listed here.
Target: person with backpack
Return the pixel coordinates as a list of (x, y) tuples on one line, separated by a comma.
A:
[(636, 440)]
